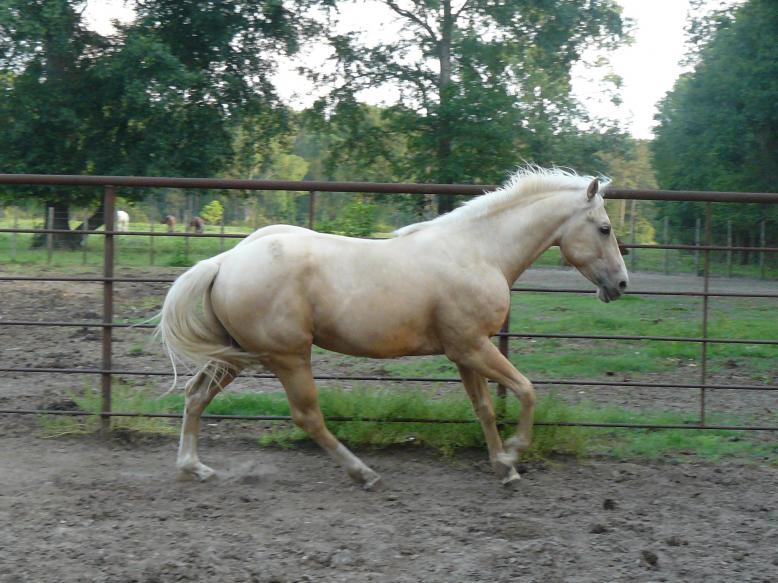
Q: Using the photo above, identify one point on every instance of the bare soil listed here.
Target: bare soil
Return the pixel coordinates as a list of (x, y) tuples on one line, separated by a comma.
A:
[(110, 510)]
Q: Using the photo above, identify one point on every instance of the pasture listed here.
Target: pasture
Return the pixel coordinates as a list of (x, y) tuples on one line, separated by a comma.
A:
[(112, 510)]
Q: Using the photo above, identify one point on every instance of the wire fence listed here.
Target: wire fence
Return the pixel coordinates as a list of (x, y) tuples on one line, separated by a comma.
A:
[(185, 231)]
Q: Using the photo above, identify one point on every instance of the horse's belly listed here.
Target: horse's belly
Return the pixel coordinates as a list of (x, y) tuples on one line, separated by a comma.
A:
[(377, 342)]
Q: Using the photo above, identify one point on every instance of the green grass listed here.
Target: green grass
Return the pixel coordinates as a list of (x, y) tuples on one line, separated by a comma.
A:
[(124, 398), (131, 251), (135, 251), (444, 437), (632, 315), (680, 262)]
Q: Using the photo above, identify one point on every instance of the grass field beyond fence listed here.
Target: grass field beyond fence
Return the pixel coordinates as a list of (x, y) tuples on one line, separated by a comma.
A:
[(141, 251)]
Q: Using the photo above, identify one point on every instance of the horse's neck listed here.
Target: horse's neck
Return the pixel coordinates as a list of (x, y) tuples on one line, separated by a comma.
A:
[(518, 236)]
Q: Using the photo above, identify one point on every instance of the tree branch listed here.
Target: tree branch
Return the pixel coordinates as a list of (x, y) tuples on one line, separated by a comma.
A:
[(461, 9), (411, 16)]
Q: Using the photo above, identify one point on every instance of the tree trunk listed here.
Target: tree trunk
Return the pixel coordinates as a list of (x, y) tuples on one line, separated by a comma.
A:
[(93, 222), (72, 240), (743, 242), (445, 201), (61, 221)]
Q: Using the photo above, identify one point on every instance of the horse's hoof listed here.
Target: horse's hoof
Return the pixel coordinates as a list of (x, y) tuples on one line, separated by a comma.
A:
[(201, 473), (373, 484), (512, 479)]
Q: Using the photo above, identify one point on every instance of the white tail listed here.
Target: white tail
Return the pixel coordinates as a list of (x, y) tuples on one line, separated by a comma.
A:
[(189, 329)]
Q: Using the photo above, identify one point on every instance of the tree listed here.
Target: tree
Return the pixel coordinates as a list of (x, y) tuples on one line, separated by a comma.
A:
[(631, 168), (482, 83), (47, 57), (160, 97), (718, 127)]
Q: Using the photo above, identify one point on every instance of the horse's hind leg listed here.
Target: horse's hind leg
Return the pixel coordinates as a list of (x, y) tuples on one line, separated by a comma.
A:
[(200, 390), (476, 388), (295, 374)]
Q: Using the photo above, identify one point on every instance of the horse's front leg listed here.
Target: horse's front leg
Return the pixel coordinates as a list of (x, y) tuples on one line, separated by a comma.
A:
[(484, 358), (200, 390), (478, 391)]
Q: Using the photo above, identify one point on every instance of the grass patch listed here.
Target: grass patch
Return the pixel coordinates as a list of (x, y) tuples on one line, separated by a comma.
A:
[(124, 398), (380, 405), (538, 358)]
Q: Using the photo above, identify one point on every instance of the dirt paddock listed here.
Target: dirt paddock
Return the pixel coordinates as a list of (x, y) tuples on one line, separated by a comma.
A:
[(85, 509), (89, 509)]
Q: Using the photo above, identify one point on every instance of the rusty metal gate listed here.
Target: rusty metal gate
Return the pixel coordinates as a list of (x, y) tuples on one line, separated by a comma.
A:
[(106, 371)]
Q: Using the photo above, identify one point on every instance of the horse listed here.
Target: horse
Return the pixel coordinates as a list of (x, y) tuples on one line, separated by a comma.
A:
[(170, 221), (198, 224), (122, 221), (437, 287)]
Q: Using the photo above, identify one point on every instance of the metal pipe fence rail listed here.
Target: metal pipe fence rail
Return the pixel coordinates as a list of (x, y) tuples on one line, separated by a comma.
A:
[(106, 371)]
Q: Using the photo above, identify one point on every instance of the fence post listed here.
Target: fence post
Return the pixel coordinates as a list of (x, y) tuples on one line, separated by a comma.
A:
[(49, 236), (505, 350), (729, 250), (13, 238), (221, 231), (666, 239), (186, 230), (312, 210), (697, 243), (763, 244), (705, 306), (632, 235), (151, 242), (84, 236), (108, 263)]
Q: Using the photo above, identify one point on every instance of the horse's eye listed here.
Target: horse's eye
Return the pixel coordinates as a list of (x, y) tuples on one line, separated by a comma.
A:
[(605, 229)]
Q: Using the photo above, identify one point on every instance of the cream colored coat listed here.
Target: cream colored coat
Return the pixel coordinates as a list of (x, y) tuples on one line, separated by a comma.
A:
[(440, 287)]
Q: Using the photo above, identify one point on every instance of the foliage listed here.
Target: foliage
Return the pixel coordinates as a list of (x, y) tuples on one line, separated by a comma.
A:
[(718, 127), (212, 212), (631, 167), (357, 219), (481, 84), (160, 97)]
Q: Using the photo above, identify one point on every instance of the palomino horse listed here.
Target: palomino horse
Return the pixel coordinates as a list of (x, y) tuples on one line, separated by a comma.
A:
[(438, 287)]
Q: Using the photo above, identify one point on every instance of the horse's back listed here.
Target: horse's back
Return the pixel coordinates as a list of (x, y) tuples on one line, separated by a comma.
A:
[(357, 296)]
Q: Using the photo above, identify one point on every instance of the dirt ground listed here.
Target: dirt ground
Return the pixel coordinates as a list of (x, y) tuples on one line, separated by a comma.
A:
[(88, 509), (84, 509)]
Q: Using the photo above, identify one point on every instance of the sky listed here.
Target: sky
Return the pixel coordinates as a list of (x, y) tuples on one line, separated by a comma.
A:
[(648, 67)]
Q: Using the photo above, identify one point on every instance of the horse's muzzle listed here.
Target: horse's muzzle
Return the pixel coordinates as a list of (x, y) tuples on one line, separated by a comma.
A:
[(608, 293)]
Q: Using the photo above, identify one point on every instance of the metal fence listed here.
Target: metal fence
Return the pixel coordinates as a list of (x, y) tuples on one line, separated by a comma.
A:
[(106, 370)]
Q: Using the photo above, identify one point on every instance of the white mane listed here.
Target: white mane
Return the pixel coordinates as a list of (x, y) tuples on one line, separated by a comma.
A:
[(521, 185)]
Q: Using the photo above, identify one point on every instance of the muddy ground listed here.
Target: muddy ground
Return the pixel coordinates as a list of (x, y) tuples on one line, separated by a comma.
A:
[(88, 509)]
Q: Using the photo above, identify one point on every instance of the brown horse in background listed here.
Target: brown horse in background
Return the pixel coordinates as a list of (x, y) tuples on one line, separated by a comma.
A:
[(198, 224), (170, 221)]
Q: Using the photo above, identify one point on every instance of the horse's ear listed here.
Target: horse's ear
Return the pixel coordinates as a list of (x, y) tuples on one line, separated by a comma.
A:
[(594, 186)]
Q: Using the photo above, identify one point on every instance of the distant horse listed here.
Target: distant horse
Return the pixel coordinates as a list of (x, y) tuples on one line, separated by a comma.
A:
[(438, 287), (170, 221), (198, 224), (122, 221)]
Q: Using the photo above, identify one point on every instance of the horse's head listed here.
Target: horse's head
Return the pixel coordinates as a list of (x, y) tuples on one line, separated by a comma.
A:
[(589, 243)]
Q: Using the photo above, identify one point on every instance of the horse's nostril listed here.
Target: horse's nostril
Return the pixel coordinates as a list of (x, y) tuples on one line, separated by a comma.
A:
[(622, 285)]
